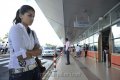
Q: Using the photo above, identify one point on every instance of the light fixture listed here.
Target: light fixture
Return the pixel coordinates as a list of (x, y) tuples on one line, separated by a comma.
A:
[(100, 18)]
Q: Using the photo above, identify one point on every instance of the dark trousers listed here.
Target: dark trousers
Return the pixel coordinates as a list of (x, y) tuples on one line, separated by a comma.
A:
[(68, 57), (29, 75), (104, 57), (86, 53)]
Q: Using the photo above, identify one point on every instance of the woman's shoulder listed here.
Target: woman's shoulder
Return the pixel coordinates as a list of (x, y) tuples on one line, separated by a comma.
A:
[(16, 27)]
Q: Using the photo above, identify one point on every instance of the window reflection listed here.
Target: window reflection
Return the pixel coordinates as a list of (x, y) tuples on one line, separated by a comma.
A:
[(96, 37), (87, 41), (116, 31), (91, 39), (116, 38), (115, 14), (116, 48), (95, 46), (91, 47)]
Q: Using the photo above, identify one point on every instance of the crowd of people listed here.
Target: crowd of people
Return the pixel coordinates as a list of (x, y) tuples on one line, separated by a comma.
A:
[(78, 50)]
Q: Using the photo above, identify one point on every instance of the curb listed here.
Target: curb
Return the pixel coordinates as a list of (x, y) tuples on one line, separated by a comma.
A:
[(48, 72)]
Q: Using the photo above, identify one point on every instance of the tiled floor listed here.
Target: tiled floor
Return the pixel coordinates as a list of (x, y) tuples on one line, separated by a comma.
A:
[(100, 70), (67, 72), (84, 69)]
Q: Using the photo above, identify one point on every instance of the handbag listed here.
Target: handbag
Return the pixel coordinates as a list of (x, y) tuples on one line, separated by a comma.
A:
[(41, 68), (38, 61)]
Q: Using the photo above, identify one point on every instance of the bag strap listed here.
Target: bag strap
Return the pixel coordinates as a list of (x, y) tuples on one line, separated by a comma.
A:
[(34, 39), (33, 34)]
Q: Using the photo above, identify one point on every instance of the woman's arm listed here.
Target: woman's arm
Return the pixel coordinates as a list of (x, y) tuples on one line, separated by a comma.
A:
[(29, 53), (37, 48), (36, 51)]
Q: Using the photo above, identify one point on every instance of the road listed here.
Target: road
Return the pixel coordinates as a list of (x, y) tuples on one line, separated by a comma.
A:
[(4, 60)]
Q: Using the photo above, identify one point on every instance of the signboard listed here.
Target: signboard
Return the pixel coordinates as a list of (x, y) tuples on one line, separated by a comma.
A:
[(82, 22)]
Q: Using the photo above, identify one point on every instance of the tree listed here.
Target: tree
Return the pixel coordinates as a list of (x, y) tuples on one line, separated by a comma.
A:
[(5, 37), (1, 40)]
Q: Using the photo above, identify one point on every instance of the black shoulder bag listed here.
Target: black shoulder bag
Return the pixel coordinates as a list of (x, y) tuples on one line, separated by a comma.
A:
[(38, 61)]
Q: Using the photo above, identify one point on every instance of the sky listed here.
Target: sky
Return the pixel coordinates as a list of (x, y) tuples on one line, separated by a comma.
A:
[(41, 26)]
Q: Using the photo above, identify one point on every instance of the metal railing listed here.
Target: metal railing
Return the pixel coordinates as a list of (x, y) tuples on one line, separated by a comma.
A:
[(107, 21)]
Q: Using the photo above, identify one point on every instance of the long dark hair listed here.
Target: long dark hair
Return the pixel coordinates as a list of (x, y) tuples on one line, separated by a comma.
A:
[(22, 10)]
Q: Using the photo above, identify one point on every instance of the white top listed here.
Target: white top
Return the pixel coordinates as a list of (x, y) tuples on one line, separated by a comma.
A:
[(67, 45), (77, 48), (19, 42)]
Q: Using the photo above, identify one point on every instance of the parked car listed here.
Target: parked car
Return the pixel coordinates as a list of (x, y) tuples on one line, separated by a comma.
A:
[(48, 51), (59, 49)]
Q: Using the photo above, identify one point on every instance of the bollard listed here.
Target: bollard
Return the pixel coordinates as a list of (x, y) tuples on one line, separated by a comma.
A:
[(61, 54), (54, 63)]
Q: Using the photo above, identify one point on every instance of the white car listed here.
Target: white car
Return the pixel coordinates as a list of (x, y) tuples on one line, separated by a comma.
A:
[(48, 52)]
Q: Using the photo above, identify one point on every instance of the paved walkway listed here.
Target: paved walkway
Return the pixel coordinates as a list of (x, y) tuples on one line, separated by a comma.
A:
[(67, 72)]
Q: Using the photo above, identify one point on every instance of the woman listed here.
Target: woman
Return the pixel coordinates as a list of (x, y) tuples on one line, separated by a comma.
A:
[(23, 47)]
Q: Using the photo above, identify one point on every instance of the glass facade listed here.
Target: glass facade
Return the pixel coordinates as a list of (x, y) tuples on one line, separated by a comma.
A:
[(116, 38), (95, 27), (109, 20), (116, 48), (115, 14), (116, 31), (91, 39), (96, 36), (87, 40), (95, 46), (91, 47)]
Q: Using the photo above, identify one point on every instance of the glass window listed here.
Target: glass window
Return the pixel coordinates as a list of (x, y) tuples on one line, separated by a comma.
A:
[(84, 42), (105, 21), (91, 47), (116, 30), (95, 28), (83, 35), (96, 36), (81, 42), (87, 41), (115, 14), (91, 39), (86, 33), (95, 46), (90, 32), (116, 48), (101, 24)]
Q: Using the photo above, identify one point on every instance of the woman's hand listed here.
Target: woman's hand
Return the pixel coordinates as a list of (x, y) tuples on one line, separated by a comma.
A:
[(35, 52), (28, 54)]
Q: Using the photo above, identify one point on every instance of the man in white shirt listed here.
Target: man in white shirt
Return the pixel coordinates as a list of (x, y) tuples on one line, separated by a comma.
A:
[(67, 49), (77, 50)]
